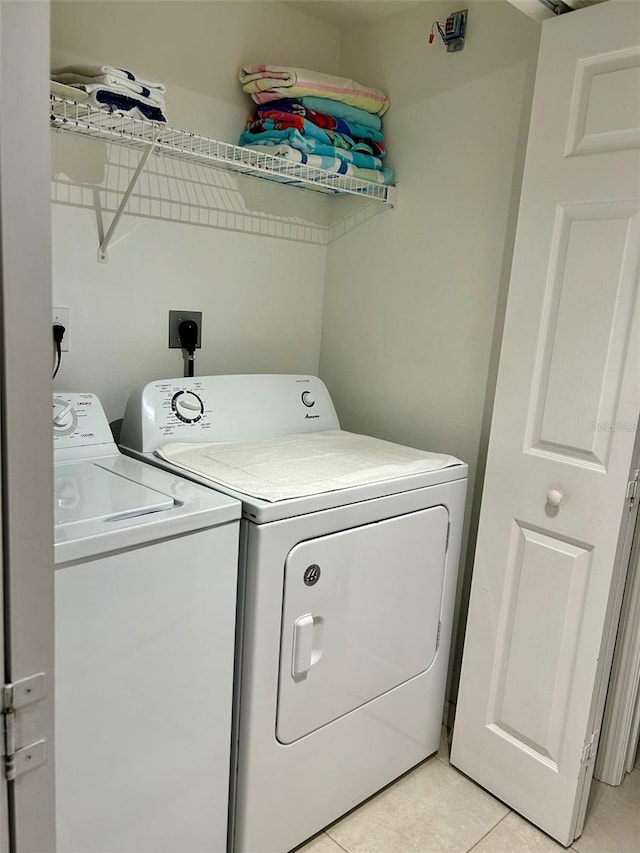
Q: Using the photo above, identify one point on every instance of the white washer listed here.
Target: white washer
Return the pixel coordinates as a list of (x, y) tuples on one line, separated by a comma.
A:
[(145, 610), (349, 554)]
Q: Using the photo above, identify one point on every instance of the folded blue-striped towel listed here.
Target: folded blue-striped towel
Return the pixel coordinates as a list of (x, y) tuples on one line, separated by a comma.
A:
[(345, 111), (134, 106), (329, 164), (154, 99), (111, 81), (309, 145)]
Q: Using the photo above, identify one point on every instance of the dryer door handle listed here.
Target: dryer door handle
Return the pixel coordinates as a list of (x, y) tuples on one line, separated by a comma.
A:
[(302, 645)]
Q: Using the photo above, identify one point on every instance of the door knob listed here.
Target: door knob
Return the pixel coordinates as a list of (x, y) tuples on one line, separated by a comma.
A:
[(554, 497)]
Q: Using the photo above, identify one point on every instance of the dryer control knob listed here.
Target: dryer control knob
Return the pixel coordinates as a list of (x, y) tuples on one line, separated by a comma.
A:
[(188, 407), (308, 399)]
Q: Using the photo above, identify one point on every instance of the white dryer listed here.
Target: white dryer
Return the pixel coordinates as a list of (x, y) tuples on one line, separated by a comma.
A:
[(349, 555), (145, 609)]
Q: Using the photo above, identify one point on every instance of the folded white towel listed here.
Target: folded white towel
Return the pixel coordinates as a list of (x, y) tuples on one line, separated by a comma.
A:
[(99, 70), (61, 90), (112, 81), (303, 464)]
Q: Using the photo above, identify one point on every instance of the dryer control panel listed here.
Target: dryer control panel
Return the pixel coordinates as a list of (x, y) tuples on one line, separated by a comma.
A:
[(225, 408), (79, 420)]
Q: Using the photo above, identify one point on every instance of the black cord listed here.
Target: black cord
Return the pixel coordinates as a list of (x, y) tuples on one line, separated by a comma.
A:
[(188, 334), (57, 361), (58, 335)]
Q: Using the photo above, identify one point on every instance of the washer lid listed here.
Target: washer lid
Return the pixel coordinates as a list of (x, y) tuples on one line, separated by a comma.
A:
[(86, 492), (110, 503)]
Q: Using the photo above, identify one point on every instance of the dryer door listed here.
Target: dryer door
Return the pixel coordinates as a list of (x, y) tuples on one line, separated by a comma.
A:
[(361, 613)]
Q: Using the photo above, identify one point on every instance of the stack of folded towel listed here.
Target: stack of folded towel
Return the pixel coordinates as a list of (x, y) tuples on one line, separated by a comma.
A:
[(327, 122), (119, 90)]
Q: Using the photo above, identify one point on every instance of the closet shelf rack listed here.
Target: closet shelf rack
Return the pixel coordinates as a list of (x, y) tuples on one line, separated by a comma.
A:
[(150, 137)]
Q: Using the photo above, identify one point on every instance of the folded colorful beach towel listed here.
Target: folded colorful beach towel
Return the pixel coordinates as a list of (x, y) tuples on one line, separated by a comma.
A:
[(268, 120), (324, 120), (269, 82)]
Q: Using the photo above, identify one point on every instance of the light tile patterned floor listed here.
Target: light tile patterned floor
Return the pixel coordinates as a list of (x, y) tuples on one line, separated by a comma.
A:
[(435, 809)]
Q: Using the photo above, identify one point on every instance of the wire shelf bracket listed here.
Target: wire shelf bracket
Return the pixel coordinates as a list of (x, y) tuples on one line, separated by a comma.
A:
[(151, 137), (104, 245)]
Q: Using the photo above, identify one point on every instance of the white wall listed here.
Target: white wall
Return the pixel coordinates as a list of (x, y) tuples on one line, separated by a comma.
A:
[(411, 296), (204, 242)]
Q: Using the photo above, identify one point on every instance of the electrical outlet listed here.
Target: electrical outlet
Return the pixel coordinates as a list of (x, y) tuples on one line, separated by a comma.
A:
[(175, 318), (61, 315)]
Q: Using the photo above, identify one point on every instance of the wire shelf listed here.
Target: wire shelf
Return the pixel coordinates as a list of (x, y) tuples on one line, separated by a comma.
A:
[(73, 117)]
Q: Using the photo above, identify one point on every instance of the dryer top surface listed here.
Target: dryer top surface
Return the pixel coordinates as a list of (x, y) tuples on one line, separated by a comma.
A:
[(294, 466), (272, 441)]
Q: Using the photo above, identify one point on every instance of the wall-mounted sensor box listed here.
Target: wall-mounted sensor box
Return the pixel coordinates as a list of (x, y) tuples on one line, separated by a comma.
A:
[(454, 31), (175, 318)]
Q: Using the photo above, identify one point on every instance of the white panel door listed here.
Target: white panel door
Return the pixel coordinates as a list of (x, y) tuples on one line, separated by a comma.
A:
[(544, 588)]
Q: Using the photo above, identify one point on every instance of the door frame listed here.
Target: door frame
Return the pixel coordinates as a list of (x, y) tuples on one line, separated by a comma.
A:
[(620, 722), (612, 623), (4, 788), (26, 454)]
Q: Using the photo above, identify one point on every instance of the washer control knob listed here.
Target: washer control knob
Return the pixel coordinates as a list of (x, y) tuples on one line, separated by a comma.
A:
[(63, 415), (65, 418), (187, 406), (308, 399)]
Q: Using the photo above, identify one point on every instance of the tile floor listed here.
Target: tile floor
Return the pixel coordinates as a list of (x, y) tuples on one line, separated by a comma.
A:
[(435, 809)]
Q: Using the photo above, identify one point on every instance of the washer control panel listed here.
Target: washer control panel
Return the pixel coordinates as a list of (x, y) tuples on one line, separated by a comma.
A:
[(225, 408), (79, 420)]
